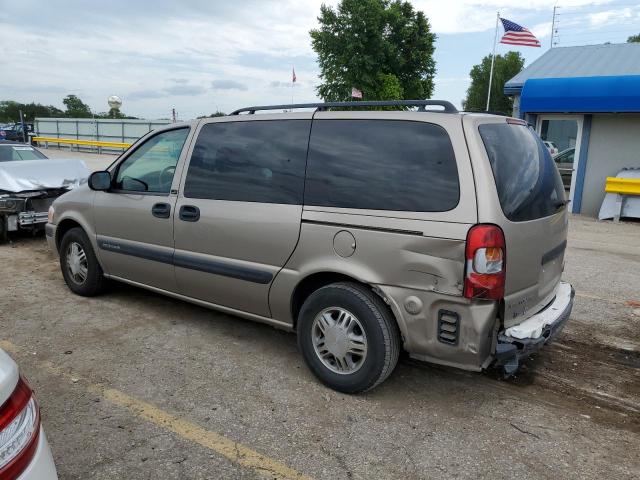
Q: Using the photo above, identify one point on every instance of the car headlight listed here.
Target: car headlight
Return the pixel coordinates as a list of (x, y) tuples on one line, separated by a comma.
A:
[(8, 204), (50, 214)]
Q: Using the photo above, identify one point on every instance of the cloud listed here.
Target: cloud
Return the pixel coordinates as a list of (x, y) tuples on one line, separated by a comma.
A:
[(179, 89), (541, 30), (144, 94), (185, 90), (280, 84), (604, 17), (199, 56), (228, 85), (151, 54), (464, 16)]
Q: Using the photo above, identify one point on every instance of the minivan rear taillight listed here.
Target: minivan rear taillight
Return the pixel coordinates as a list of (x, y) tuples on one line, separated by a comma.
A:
[(19, 431), (485, 263)]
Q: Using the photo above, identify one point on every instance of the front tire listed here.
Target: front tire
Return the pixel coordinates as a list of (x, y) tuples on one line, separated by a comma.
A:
[(80, 268), (348, 337)]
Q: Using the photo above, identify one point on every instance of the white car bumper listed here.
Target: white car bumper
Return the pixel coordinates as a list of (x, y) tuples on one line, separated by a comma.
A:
[(519, 341), (534, 326), (42, 466)]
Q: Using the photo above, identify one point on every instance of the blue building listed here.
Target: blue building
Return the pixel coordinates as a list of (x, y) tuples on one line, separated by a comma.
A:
[(585, 101)]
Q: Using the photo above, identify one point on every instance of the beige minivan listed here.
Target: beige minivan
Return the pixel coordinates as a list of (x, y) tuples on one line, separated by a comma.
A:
[(368, 232)]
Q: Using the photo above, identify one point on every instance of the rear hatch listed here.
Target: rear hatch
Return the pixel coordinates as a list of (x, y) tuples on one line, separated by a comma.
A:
[(530, 207)]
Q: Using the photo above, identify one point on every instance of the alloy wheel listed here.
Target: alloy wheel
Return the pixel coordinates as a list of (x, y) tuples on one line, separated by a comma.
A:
[(339, 340)]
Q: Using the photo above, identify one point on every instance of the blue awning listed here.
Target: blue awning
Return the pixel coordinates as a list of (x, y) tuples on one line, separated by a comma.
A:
[(581, 94)]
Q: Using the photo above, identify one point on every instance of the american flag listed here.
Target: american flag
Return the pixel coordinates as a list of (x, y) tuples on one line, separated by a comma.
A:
[(293, 76), (514, 34)]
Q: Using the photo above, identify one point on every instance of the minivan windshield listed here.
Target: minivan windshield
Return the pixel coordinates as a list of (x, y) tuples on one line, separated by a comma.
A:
[(527, 179)]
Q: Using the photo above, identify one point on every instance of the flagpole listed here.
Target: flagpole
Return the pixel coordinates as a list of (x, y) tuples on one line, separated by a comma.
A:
[(292, 83), (553, 25), (493, 60)]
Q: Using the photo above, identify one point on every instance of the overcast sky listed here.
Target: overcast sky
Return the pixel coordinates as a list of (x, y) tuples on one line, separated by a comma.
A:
[(201, 55)]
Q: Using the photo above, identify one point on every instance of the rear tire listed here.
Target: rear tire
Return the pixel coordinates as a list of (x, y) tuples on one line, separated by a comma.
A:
[(348, 337), (80, 268)]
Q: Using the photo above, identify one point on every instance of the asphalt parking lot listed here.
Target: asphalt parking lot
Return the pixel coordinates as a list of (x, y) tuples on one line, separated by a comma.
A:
[(136, 385)]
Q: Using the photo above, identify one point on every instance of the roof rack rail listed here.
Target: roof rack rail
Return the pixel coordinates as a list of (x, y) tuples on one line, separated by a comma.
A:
[(487, 112), (421, 104)]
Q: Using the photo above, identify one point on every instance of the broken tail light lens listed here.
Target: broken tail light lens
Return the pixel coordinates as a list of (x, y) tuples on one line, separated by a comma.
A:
[(485, 263), (19, 431)]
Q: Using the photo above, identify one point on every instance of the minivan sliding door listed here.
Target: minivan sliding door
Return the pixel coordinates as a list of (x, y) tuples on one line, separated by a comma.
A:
[(239, 209)]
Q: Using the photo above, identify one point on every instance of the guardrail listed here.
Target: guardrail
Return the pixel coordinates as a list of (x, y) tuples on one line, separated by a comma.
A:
[(623, 187), (88, 143), (114, 131)]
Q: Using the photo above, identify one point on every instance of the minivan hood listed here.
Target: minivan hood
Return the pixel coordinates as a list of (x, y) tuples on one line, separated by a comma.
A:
[(24, 175)]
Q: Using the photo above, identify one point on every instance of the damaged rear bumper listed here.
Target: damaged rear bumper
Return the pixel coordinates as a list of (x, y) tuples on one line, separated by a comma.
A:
[(520, 341)]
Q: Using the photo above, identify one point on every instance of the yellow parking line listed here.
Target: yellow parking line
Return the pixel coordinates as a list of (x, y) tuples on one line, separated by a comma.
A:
[(234, 451)]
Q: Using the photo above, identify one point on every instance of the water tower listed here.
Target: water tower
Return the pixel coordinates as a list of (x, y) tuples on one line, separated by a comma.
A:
[(115, 102)]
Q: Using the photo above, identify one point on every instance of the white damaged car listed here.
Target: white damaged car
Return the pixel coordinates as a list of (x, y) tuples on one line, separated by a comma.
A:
[(29, 183)]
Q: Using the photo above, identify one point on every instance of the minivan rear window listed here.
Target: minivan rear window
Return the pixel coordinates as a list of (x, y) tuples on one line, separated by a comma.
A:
[(528, 182), (381, 165)]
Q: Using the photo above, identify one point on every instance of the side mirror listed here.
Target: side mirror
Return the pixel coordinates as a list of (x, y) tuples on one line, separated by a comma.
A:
[(100, 181)]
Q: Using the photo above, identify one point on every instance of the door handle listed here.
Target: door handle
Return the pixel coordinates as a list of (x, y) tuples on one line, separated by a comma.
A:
[(189, 213), (161, 210)]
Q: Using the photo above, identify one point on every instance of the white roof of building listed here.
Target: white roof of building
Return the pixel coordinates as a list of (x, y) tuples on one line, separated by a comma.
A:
[(615, 59)]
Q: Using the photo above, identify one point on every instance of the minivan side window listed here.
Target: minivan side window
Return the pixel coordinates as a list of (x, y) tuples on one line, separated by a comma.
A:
[(527, 180), (250, 161), (381, 165), (150, 168)]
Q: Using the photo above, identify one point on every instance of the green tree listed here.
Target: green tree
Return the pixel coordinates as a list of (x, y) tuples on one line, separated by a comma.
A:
[(76, 108), (383, 48), (10, 111), (217, 113), (506, 67), (113, 114), (634, 39)]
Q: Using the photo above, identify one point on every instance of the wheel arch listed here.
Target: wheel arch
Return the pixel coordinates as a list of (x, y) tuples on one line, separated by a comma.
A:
[(73, 219), (63, 227), (317, 280)]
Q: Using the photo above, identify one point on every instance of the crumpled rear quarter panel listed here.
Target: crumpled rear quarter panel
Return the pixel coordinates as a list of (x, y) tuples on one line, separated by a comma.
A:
[(401, 267)]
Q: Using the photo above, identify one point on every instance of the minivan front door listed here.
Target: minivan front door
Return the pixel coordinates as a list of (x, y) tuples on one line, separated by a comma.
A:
[(134, 219), (239, 209)]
